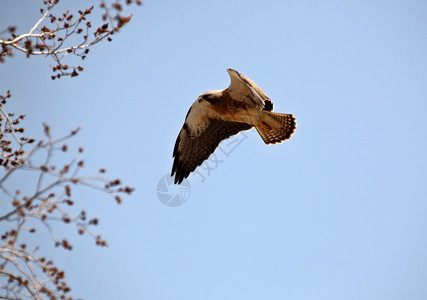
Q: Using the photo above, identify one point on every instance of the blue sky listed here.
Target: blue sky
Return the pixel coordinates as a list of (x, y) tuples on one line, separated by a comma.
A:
[(337, 212)]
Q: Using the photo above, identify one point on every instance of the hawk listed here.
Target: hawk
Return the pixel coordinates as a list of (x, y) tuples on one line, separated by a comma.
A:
[(219, 114)]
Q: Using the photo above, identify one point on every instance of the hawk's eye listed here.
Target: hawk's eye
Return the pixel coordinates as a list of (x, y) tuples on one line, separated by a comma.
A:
[(203, 97), (207, 97)]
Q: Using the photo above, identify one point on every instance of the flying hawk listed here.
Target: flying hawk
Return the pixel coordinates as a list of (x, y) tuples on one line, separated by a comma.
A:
[(217, 115)]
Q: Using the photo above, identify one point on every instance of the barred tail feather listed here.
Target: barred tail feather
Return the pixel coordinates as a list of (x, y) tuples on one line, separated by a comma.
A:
[(275, 128)]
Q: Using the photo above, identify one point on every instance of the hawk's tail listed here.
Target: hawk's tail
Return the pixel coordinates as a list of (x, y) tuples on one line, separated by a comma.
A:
[(275, 128)]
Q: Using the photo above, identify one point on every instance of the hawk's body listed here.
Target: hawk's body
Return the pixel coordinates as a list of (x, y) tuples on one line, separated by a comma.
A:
[(217, 115)]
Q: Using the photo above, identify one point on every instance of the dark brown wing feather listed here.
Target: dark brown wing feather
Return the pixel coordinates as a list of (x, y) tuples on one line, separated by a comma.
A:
[(189, 153)]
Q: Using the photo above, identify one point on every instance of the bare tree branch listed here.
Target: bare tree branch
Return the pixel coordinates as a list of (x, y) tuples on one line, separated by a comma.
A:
[(22, 273), (58, 35)]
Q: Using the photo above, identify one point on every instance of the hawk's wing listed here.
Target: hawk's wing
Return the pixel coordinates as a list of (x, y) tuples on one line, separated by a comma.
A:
[(196, 143), (245, 90)]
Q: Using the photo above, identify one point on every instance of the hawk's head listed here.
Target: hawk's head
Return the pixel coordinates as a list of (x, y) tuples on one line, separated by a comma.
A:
[(211, 96)]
